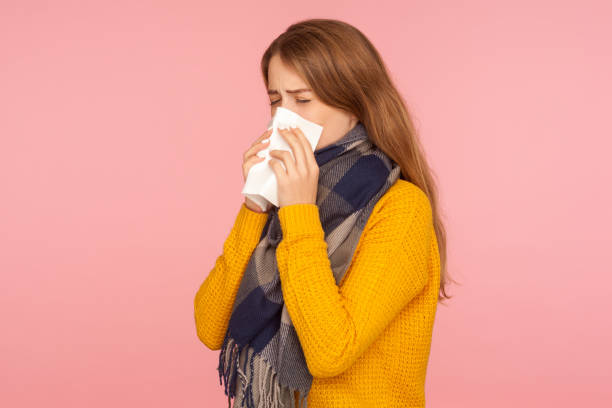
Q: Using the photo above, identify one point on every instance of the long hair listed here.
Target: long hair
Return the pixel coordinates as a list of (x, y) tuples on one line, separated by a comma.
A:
[(345, 71)]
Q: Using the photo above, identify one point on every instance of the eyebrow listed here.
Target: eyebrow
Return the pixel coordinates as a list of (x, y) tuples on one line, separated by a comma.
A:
[(291, 91)]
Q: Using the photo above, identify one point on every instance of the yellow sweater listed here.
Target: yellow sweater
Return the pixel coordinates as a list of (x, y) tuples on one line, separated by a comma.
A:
[(366, 341)]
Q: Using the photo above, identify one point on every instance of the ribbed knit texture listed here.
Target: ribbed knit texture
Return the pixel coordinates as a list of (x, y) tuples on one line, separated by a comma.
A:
[(366, 341)]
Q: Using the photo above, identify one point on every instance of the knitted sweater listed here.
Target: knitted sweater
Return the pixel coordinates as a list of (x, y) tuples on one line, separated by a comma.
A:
[(366, 341)]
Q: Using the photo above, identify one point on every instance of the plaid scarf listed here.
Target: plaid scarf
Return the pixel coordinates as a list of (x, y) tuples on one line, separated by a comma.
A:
[(261, 345)]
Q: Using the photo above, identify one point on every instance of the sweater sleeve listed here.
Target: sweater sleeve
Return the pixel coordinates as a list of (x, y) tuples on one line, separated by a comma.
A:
[(335, 325), (215, 298)]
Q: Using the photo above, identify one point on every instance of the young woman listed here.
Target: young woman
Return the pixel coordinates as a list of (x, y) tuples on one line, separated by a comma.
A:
[(329, 299)]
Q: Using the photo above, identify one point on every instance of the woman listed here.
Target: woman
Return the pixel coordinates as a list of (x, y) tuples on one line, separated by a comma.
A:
[(329, 299)]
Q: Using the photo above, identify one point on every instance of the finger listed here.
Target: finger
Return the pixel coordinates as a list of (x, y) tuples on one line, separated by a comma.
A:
[(263, 136), (254, 159), (296, 148), (255, 149), (277, 169), (258, 145), (308, 153), (246, 166), (286, 158)]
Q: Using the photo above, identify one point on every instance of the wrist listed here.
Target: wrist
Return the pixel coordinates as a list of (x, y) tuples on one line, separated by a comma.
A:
[(253, 207)]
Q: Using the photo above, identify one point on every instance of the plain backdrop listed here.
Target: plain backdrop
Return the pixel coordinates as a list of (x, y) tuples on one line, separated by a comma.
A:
[(123, 125)]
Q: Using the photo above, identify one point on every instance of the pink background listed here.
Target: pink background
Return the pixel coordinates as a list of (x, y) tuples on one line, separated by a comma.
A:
[(122, 132)]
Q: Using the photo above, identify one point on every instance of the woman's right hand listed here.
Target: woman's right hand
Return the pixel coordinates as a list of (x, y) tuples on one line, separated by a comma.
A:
[(250, 158)]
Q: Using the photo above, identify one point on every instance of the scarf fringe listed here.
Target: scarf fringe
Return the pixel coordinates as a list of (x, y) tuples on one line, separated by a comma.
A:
[(271, 393)]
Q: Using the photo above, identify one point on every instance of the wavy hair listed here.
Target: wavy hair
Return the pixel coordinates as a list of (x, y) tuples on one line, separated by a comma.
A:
[(345, 71)]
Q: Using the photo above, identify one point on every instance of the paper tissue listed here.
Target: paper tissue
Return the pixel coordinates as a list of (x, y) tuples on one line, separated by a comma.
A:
[(261, 185)]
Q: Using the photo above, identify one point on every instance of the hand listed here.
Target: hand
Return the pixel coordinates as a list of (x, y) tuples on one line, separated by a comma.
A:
[(299, 183), (249, 159)]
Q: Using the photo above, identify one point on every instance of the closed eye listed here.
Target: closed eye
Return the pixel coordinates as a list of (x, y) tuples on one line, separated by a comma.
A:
[(297, 100)]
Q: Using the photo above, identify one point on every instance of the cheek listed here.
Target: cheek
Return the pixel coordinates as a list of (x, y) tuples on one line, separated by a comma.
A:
[(313, 113)]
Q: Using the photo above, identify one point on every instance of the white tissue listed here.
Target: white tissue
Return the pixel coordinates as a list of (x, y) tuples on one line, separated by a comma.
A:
[(261, 185)]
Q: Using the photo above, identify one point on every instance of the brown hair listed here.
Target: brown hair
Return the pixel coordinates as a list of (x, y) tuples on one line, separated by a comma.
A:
[(345, 71)]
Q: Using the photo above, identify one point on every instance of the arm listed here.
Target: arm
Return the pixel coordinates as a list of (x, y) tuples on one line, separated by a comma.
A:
[(335, 325), (215, 298)]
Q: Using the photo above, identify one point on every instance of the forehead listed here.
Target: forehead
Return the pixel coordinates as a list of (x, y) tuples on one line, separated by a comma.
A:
[(281, 76)]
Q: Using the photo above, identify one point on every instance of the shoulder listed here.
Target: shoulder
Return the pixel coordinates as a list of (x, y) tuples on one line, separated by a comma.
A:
[(403, 208), (403, 196)]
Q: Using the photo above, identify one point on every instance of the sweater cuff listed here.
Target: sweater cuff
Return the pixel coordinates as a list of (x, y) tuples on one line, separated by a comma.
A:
[(298, 220), (249, 224)]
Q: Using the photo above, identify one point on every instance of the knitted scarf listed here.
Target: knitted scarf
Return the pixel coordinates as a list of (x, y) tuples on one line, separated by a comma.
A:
[(261, 345)]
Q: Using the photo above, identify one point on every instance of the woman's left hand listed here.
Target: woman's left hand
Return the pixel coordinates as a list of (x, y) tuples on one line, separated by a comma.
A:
[(299, 183)]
